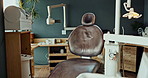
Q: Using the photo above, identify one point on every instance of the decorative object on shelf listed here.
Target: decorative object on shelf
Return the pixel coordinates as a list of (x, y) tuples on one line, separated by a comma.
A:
[(52, 41), (61, 50), (132, 13), (140, 30), (42, 43), (144, 32)]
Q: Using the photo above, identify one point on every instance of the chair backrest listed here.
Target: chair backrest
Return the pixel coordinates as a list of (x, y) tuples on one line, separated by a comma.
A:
[(86, 39)]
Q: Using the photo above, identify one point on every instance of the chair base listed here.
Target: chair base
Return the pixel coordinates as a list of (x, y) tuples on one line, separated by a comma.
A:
[(73, 67)]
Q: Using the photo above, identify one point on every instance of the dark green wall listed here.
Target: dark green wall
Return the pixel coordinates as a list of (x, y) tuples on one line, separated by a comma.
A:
[(138, 6), (41, 56), (2, 47), (104, 10), (146, 12)]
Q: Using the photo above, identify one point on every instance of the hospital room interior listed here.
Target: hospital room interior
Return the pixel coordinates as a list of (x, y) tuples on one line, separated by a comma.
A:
[(74, 39)]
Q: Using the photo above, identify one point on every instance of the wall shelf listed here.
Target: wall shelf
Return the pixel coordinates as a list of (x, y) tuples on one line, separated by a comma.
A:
[(58, 54), (55, 61)]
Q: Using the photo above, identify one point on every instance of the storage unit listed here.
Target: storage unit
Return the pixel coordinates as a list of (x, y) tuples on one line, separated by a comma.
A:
[(55, 55), (58, 52), (17, 43), (130, 58)]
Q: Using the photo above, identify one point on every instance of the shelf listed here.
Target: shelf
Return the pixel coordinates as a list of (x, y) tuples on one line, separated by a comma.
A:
[(58, 54), (55, 61), (51, 68), (52, 45), (70, 54)]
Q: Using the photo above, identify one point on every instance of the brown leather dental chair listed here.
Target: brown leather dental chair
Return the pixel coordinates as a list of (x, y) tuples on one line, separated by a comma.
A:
[(86, 41)]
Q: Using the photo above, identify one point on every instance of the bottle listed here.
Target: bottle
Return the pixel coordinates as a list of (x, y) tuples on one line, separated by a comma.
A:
[(62, 51)]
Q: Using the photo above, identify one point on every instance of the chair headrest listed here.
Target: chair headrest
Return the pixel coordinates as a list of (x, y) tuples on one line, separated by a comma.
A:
[(87, 39), (88, 19)]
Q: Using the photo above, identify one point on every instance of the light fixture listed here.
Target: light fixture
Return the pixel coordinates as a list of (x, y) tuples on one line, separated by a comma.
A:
[(131, 14), (50, 20)]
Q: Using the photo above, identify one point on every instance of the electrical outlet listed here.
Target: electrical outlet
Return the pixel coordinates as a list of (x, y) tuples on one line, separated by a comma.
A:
[(63, 32)]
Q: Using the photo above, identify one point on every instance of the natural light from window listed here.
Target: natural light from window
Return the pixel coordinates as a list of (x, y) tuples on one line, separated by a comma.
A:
[(10, 3)]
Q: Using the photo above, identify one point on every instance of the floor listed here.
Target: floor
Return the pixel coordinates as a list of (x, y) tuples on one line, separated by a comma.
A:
[(43, 72), (130, 74)]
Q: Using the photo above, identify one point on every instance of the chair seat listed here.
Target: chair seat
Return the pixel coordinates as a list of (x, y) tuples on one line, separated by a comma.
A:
[(73, 67)]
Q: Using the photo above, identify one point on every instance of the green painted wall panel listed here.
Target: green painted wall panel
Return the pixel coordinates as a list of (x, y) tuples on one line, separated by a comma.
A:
[(41, 56), (146, 12), (2, 44)]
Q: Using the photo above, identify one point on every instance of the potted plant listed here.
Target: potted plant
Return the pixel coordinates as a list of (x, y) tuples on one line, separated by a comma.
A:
[(29, 7)]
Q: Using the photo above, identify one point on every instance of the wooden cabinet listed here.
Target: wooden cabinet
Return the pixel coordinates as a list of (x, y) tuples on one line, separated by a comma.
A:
[(58, 52), (55, 56), (130, 58), (17, 43)]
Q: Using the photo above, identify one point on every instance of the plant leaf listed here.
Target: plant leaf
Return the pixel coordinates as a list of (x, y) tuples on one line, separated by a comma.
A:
[(30, 8), (27, 1)]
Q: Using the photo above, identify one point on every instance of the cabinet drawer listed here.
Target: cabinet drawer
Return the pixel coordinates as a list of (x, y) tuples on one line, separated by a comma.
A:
[(129, 57), (130, 62), (130, 67), (129, 50)]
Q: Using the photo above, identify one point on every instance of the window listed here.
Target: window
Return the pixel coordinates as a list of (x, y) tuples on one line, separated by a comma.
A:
[(7, 3)]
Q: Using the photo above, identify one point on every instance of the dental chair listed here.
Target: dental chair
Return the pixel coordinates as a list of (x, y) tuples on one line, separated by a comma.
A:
[(86, 41)]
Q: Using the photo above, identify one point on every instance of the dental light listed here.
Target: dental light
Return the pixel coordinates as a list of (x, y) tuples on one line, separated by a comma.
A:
[(131, 14), (50, 20)]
